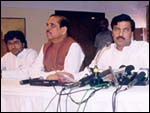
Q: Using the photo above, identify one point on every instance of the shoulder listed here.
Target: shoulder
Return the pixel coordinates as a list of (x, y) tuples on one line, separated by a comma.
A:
[(140, 44), (30, 50), (108, 48), (8, 54), (76, 48), (75, 45), (73, 42)]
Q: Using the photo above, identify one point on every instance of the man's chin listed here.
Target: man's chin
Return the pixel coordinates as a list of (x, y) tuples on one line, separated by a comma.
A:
[(15, 53)]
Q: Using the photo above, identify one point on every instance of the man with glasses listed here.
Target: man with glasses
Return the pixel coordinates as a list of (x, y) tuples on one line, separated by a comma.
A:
[(19, 58), (124, 51)]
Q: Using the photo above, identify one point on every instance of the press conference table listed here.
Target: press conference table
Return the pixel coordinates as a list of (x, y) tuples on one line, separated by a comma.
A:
[(26, 98)]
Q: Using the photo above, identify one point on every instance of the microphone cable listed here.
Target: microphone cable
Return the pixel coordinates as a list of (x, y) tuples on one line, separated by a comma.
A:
[(51, 100), (70, 92), (59, 100), (82, 100), (57, 93), (86, 99), (49, 103), (67, 98), (92, 94), (114, 97)]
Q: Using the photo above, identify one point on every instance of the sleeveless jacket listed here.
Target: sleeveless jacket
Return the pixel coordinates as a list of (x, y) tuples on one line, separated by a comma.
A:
[(55, 53)]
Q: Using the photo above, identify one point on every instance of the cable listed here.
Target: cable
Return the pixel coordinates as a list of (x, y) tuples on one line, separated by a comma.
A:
[(85, 106), (82, 100), (68, 95), (99, 85), (59, 100), (50, 101), (118, 90), (78, 102), (67, 98)]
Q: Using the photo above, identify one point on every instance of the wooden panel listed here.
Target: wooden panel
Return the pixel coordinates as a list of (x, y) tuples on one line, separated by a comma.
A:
[(84, 27), (140, 34), (8, 24), (147, 22)]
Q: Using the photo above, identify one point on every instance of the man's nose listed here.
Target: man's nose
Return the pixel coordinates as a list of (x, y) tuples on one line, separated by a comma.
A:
[(121, 33)]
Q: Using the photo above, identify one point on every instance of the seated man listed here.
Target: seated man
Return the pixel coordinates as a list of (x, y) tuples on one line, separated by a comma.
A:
[(60, 54), (19, 58), (125, 50)]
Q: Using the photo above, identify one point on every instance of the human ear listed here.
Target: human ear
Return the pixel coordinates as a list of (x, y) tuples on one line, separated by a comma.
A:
[(64, 30)]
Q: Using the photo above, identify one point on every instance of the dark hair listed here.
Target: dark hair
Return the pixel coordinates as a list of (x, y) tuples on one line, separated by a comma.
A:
[(105, 20), (10, 35), (123, 17), (64, 22)]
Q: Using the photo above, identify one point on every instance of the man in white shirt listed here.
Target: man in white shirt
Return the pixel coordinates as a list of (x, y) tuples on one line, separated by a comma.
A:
[(60, 54), (19, 59), (125, 50)]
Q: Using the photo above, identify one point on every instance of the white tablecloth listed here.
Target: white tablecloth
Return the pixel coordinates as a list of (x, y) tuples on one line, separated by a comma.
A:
[(26, 98)]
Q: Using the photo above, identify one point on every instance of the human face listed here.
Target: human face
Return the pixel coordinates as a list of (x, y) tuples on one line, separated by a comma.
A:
[(103, 25), (54, 31), (15, 46), (122, 34)]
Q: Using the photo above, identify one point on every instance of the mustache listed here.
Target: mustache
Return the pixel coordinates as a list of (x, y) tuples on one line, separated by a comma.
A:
[(120, 37), (47, 30)]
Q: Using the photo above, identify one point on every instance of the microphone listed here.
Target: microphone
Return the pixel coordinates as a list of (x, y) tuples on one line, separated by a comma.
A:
[(105, 72), (124, 70), (123, 75), (129, 69), (139, 77), (92, 79), (95, 78), (86, 80), (26, 81), (122, 66), (90, 70), (40, 82)]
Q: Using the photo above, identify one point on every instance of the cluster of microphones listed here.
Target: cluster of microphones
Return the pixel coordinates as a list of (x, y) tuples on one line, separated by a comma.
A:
[(130, 77), (125, 75)]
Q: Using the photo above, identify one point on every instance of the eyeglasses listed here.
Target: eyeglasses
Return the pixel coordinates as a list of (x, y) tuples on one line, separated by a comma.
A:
[(118, 30)]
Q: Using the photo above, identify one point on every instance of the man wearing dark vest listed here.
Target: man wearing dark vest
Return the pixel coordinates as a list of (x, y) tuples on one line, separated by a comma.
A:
[(61, 53)]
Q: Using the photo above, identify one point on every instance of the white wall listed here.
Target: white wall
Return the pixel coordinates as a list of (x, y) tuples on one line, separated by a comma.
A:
[(35, 23)]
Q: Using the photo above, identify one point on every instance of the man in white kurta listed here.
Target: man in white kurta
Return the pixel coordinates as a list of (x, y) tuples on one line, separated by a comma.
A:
[(17, 62), (125, 50), (22, 62)]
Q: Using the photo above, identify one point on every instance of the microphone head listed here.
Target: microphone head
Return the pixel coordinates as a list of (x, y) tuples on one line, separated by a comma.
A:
[(26, 81), (122, 66), (104, 73), (140, 76), (129, 68), (86, 80), (95, 70)]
